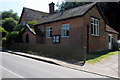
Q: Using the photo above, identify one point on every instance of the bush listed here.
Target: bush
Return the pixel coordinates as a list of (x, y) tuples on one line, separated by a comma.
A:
[(9, 24), (4, 41), (32, 22), (19, 27), (12, 36), (3, 32)]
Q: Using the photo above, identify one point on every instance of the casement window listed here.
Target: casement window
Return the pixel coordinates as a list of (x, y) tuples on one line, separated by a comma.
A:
[(94, 27), (48, 32), (65, 30)]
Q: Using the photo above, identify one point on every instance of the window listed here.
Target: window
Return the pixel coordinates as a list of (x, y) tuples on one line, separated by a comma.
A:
[(56, 39), (94, 26), (49, 32), (65, 30)]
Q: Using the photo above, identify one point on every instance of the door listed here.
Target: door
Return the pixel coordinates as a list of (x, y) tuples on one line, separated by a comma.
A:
[(27, 38), (110, 41)]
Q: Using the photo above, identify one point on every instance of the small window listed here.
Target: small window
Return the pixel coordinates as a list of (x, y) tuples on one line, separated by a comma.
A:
[(65, 30), (94, 26), (56, 39), (49, 32)]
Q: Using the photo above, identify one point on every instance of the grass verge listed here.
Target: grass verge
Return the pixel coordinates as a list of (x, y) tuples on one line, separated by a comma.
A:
[(102, 57)]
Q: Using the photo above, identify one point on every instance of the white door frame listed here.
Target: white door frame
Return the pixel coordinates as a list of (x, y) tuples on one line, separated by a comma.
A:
[(110, 41)]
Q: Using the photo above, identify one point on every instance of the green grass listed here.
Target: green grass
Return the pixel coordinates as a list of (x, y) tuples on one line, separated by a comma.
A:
[(102, 57), (31, 52)]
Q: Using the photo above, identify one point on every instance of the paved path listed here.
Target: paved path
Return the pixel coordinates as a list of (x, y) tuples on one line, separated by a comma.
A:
[(14, 66), (108, 66)]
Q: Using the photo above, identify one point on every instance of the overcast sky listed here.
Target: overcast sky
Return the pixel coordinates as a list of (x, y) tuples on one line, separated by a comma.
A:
[(17, 5)]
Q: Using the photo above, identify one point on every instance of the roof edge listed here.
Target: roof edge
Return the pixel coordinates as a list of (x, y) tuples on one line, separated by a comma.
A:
[(68, 17)]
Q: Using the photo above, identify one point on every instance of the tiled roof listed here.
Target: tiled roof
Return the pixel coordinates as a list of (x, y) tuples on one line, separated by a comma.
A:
[(109, 29), (78, 11), (33, 14)]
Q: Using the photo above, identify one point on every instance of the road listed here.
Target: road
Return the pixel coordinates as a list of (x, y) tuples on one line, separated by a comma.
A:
[(14, 66)]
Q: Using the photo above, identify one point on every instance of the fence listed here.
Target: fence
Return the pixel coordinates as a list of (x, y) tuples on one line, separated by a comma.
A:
[(65, 52)]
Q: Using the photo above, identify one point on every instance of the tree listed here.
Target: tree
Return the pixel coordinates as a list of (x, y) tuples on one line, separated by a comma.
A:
[(68, 5), (8, 14), (3, 32), (9, 24), (19, 27), (112, 13)]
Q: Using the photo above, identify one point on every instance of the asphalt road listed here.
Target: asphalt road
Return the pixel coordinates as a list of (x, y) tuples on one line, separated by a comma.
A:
[(14, 66)]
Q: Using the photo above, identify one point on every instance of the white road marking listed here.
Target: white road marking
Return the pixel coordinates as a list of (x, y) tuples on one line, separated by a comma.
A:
[(11, 72)]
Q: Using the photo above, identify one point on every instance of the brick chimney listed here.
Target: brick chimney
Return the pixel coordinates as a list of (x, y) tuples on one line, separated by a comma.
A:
[(51, 8)]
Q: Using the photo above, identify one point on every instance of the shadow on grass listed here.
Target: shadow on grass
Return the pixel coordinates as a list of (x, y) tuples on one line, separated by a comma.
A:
[(94, 55)]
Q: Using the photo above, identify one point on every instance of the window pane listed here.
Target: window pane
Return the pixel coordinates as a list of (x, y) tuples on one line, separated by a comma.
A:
[(48, 31), (96, 21), (57, 38), (67, 32), (92, 29), (47, 28), (63, 32), (97, 30), (54, 39), (47, 34), (67, 27), (50, 35), (109, 39), (50, 28), (92, 20)]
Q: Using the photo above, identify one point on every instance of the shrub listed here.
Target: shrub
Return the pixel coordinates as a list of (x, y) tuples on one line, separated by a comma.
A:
[(4, 42), (12, 36), (19, 27), (3, 32), (9, 24), (32, 22)]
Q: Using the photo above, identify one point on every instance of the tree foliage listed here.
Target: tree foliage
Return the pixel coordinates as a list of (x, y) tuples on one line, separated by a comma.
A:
[(68, 5), (9, 24), (12, 36), (19, 27), (3, 32), (32, 22), (10, 13)]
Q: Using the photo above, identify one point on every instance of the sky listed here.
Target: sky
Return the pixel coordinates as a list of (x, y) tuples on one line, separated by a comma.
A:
[(17, 5)]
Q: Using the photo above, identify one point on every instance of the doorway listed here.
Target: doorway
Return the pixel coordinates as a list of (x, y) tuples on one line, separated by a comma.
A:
[(110, 41), (27, 38)]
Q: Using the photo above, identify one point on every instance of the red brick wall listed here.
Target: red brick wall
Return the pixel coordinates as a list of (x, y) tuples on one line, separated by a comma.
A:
[(32, 37), (78, 32), (100, 42)]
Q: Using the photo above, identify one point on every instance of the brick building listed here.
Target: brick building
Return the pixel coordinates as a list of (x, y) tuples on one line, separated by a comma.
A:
[(84, 26)]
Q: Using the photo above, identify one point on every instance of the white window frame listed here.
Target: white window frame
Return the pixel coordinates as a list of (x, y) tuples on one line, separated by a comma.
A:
[(48, 31), (64, 29), (94, 26)]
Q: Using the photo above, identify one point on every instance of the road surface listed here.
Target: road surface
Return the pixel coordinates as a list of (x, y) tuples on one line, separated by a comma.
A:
[(14, 66)]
